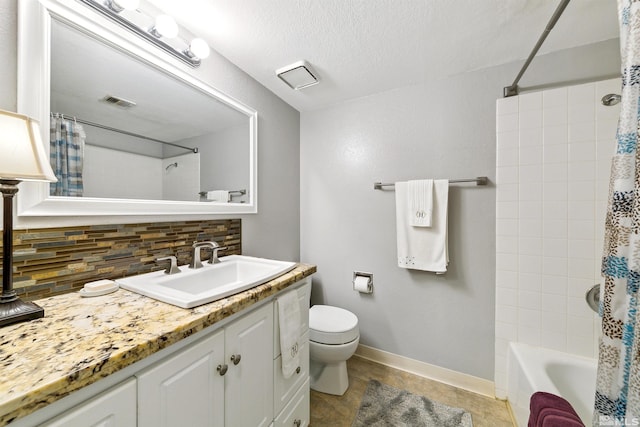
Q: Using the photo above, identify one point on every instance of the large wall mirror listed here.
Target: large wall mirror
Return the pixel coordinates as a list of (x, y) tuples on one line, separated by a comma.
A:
[(135, 133)]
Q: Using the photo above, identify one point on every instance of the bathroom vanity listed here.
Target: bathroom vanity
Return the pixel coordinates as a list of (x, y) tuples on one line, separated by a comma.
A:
[(132, 360)]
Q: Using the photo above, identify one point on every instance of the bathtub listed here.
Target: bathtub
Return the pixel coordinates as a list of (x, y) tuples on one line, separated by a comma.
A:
[(532, 369)]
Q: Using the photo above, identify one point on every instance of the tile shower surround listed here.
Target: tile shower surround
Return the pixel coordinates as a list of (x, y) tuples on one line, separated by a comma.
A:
[(554, 151), (52, 261)]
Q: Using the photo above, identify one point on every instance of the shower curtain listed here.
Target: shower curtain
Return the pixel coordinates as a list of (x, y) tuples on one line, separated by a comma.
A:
[(66, 156), (618, 382)]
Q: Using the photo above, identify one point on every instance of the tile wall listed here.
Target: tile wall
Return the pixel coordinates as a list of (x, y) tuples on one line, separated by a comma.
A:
[(51, 261), (554, 149)]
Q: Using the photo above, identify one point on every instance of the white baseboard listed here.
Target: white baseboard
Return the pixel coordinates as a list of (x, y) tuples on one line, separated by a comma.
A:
[(511, 413), (426, 370)]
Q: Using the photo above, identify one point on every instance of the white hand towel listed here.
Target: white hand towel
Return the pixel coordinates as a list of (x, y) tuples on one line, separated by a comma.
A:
[(421, 202), (289, 320), (423, 248), (218, 196)]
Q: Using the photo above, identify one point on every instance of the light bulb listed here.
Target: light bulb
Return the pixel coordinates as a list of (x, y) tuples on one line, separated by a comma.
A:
[(165, 26), (199, 48)]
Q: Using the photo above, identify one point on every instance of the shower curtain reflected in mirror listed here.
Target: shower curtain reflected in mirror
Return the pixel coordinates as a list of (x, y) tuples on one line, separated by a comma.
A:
[(66, 154)]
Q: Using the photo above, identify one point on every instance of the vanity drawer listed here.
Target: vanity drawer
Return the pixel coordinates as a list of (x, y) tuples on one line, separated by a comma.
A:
[(285, 388), (297, 412), (304, 297)]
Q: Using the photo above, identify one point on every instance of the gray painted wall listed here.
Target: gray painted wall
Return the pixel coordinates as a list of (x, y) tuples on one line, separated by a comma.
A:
[(443, 129), (275, 231)]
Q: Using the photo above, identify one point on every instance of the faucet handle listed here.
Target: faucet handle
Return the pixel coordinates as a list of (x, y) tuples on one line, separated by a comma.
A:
[(173, 265), (214, 255)]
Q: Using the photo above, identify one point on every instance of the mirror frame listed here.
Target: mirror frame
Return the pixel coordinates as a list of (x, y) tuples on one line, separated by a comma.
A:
[(34, 58)]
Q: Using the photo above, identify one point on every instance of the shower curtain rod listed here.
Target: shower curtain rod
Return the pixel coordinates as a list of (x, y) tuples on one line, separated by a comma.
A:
[(513, 89), (98, 125), (480, 180)]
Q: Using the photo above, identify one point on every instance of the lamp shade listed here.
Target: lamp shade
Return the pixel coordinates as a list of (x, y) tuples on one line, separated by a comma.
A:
[(22, 154)]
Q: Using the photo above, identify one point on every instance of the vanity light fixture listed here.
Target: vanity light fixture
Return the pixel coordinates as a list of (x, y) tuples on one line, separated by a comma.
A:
[(119, 5), (298, 75), (128, 14), (22, 158)]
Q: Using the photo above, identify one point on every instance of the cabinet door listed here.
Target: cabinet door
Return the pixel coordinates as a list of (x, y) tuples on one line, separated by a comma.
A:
[(113, 408), (249, 383), (186, 389)]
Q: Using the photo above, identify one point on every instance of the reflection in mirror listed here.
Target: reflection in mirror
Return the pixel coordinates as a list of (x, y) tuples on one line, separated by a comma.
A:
[(121, 128)]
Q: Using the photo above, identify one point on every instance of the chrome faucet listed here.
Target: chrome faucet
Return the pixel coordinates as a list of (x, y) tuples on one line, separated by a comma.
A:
[(173, 264), (196, 261)]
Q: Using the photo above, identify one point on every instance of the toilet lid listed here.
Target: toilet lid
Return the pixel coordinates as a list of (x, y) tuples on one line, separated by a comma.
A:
[(332, 325)]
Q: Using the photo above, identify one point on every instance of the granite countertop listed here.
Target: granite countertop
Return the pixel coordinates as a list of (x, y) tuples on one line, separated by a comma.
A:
[(81, 340)]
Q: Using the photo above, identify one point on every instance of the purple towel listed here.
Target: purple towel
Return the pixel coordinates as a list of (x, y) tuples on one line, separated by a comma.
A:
[(549, 417), (544, 405), (560, 421)]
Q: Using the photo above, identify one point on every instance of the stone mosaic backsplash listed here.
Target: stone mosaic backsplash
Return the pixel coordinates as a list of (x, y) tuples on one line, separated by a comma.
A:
[(52, 261)]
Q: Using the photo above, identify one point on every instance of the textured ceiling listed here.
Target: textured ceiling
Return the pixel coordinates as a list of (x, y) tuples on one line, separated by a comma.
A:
[(360, 47)]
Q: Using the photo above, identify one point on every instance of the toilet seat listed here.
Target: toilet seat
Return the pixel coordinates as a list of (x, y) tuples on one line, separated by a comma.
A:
[(332, 325)]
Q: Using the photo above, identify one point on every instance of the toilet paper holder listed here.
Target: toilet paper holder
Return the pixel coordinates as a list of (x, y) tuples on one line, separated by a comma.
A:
[(369, 277)]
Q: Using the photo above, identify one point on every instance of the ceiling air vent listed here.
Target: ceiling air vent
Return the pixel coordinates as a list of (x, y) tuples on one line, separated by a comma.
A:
[(298, 75), (120, 102)]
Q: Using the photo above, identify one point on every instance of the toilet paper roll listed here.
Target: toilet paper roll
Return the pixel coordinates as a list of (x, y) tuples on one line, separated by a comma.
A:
[(362, 284)]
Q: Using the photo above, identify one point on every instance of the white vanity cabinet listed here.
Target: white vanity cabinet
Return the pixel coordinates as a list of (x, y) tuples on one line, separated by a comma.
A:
[(115, 407), (225, 379), (226, 375), (232, 377)]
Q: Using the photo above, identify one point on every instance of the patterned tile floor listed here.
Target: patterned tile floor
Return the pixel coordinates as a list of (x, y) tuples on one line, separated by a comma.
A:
[(337, 411)]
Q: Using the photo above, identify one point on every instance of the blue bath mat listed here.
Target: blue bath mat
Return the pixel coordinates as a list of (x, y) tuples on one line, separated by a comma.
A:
[(386, 406)]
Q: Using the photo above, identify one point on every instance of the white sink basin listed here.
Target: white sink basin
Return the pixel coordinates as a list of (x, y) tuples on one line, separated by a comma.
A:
[(194, 287)]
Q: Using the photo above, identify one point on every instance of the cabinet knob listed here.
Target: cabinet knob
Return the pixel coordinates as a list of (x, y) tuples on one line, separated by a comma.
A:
[(298, 370), (235, 358), (297, 423), (222, 369)]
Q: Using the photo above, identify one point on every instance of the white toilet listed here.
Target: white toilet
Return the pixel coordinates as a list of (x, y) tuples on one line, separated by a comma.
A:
[(333, 338)]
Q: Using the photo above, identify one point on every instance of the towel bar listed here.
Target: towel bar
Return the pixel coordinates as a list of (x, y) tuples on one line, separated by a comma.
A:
[(480, 180)]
